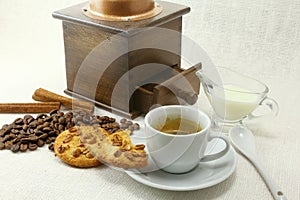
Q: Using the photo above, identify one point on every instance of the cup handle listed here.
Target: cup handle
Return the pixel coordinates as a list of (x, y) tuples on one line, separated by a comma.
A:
[(220, 154), (269, 103)]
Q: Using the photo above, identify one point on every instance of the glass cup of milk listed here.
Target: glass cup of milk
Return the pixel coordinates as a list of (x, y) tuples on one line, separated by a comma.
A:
[(234, 96)]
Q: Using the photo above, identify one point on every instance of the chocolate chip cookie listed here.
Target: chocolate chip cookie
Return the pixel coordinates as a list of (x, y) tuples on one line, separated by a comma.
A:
[(115, 149), (70, 149)]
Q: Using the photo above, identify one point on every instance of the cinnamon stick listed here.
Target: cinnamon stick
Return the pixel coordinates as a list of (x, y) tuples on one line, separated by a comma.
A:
[(44, 107), (47, 96)]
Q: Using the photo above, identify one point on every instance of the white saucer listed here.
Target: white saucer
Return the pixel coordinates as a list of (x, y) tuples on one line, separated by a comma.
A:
[(206, 174)]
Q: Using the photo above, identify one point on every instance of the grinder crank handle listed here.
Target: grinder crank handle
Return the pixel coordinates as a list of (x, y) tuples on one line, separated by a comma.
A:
[(189, 97)]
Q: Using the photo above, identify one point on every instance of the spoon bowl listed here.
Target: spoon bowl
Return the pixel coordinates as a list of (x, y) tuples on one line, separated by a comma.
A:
[(242, 137), (243, 140)]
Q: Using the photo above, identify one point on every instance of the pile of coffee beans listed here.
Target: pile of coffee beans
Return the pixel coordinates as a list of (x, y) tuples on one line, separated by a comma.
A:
[(129, 125), (32, 132)]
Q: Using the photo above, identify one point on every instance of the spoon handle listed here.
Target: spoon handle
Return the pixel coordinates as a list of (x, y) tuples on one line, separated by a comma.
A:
[(273, 187)]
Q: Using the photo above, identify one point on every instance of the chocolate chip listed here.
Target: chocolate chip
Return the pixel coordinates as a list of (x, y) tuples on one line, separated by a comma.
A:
[(76, 153), (117, 153), (61, 149)]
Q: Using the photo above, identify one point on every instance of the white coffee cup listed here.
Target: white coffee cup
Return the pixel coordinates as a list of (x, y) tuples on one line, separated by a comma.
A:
[(180, 153)]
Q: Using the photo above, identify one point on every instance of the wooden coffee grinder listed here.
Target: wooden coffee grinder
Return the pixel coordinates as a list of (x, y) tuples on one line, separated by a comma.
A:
[(125, 55)]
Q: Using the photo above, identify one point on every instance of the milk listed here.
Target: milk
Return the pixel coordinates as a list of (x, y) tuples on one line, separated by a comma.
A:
[(234, 102)]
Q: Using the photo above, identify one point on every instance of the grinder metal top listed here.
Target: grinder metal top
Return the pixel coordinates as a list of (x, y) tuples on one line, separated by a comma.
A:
[(74, 14), (121, 10)]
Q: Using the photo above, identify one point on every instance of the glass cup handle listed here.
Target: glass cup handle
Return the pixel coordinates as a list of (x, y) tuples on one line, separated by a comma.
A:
[(220, 154), (269, 103)]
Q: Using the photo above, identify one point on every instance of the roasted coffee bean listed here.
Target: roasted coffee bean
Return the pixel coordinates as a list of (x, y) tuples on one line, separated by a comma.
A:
[(39, 133), (61, 127), (8, 144), (4, 126), (123, 121), (17, 126), (27, 117), (69, 125), (130, 127), (15, 148), (7, 129), (47, 129), (23, 147), (56, 126), (52, 133), (18, 121), (14, 131), (32, 124), (115, 125), (31, 138), (48, 141), (62, 120), (46, 124), (52, 112), (30, 119), (41, 116), (2, 145), (25, 127), (51, 147), (40, 143), (136, 126), (60, 114), (2, 132), (13, 136), (128, 123), (44, 136), (30, 131), (6, 138), (52, 139), (39, 127), (40, 121), (68, 119), (32, 146), (123, 126), (48, 119), (16, 140), (55, 119)]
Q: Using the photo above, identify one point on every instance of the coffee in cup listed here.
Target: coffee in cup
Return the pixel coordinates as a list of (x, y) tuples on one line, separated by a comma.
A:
[(180, 153), (177, 125)]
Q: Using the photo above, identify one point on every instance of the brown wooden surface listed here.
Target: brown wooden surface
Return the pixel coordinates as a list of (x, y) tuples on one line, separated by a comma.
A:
[(87, 71), (186, 83), (101, 65)]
